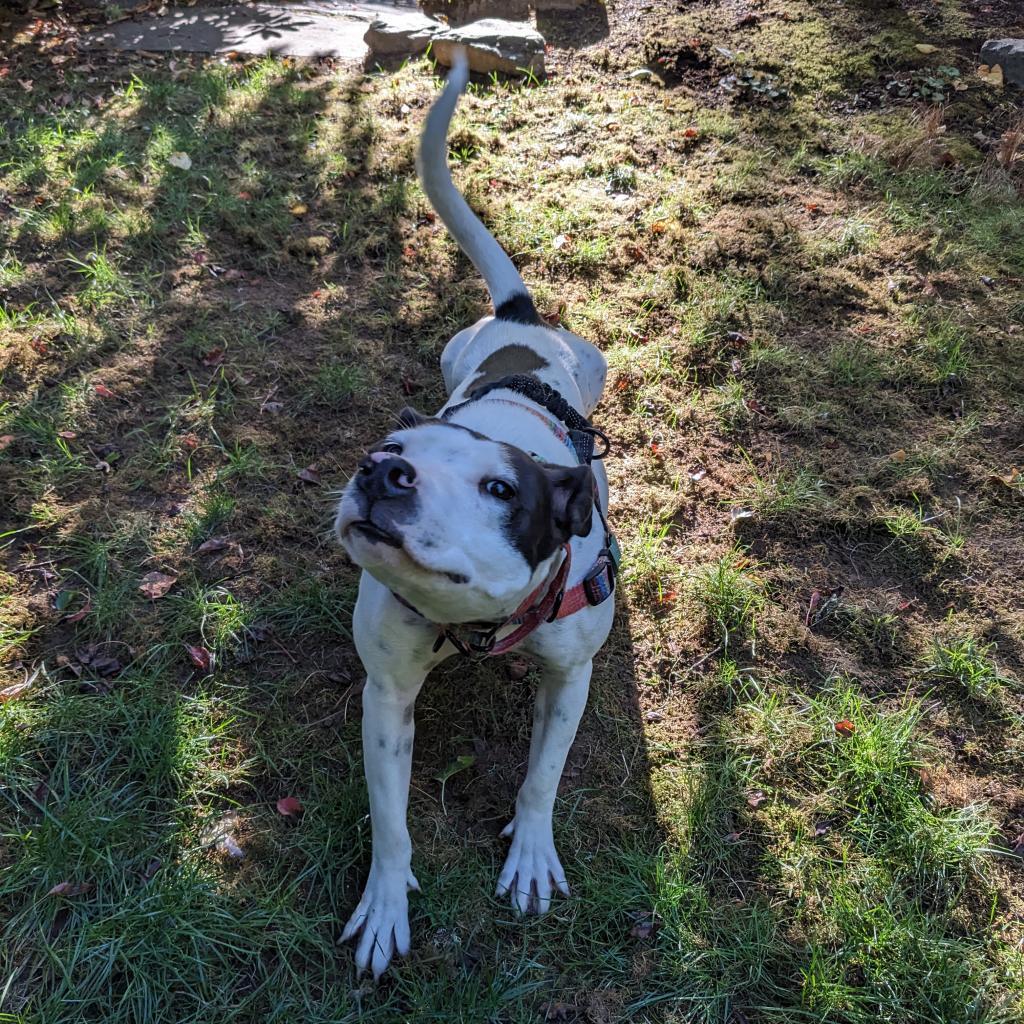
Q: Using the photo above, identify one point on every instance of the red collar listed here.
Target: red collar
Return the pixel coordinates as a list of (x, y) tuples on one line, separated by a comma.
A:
[(556, 603)]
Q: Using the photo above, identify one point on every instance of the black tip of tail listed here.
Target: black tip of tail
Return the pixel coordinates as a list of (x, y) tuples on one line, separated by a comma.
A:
[(518, 308)]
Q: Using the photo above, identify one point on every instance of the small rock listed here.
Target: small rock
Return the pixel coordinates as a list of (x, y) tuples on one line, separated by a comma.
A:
[(494, 45), (399, 32), (1009, 55)]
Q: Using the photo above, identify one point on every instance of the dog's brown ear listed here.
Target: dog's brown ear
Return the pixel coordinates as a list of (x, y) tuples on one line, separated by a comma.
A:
[(572, 499), (409, 418)]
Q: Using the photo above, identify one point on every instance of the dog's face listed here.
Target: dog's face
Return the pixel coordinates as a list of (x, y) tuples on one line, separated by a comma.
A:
[(461, 526)]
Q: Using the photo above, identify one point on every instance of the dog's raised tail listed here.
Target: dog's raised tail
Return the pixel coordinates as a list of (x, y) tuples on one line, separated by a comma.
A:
[(508, 292)]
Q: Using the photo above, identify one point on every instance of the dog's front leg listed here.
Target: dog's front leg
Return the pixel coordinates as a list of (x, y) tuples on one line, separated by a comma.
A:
[(382, 918), (532, 869)]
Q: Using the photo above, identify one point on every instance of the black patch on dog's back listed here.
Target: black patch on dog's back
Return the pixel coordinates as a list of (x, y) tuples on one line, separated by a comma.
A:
[(519, 309), (505, 361)]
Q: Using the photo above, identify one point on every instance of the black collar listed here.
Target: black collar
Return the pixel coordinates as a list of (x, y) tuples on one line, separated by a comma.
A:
[(581, 431)]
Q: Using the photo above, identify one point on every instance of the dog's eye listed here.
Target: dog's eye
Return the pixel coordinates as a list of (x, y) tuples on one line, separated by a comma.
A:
[(500, 490), (393, 447)]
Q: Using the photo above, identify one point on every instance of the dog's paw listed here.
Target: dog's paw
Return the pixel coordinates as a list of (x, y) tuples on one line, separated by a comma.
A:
[(532, 870), (381, 921)]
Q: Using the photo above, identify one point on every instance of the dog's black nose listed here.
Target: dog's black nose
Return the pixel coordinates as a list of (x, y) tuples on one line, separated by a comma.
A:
[(382, 475)]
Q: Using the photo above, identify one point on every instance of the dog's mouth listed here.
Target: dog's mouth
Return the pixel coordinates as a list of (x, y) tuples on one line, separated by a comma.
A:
[(376, 533)]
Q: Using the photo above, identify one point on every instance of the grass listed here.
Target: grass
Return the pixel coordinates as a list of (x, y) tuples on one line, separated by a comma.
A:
[(796, 794)]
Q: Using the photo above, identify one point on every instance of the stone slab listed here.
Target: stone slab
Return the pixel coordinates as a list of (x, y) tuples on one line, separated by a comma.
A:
[(322, 29)]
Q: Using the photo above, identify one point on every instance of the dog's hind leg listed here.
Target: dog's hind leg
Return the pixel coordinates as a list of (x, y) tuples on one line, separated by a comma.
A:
[(532, 870)]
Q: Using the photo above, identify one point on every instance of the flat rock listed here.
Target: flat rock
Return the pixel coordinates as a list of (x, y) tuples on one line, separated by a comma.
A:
[(494, 45), (462, 12), (1009, 55), (398, 32), (313, 29)]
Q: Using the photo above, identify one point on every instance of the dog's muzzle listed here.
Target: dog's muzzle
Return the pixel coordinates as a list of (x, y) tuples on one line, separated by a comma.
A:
[(386, 484)]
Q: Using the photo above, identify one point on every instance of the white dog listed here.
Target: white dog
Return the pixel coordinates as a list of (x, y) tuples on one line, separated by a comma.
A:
[(476, 533)]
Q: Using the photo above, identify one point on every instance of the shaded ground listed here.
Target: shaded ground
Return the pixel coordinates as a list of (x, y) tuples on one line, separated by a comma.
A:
[(797, 793)]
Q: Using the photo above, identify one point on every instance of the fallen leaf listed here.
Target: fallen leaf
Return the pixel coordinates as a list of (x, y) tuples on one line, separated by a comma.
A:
[(103, 391), (646, 925), (309, 475), (70, 889), (925, 48), (991, 75), (898, 456), (658, 227), (105, 665), (289, 806), (200, 657), (80, 614), (245, 196), (755, 406), (690, 133), (155, 584), (1012, 479), (845, 727), (68, 435), (517, 668), (180, 160), (298, 209), (5, 441), (208, 547), (213, 358), (40, 346), (15, 691), (230, 846)]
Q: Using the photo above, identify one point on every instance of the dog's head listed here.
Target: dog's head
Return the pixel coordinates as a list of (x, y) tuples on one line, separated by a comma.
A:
[(459, 525)]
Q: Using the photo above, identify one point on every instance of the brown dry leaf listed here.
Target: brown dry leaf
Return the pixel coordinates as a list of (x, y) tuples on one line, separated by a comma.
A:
[(991, 75), (298, 209), (155, 585), (200, 657), (309, 475), (646, 925), (17, 690), (898, 456), (845, 727), (213, 358), (103, 391), (1012, 479), (70, 889), (80, 614), (208, 547), (289, 806)]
